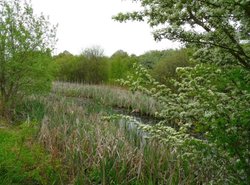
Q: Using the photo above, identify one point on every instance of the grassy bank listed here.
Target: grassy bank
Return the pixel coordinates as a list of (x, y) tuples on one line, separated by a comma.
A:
[(24, 161)]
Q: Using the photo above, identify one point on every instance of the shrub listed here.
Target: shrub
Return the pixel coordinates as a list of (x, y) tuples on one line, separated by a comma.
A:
[(26, 42), (165, 69), (120, 65), (208, 116), (86, 69)]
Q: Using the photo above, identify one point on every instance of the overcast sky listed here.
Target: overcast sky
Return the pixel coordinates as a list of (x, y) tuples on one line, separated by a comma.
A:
[(86, 23)]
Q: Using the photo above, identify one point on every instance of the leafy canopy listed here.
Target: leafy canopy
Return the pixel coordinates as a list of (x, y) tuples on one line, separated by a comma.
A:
[(26, 42), (207, 113), (219, 26)]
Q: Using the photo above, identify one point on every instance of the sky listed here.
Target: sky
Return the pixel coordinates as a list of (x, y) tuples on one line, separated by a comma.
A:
[(86, 23)]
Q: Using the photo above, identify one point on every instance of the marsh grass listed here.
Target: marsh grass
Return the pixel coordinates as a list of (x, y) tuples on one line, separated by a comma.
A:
[(95, 151), (109, 96)]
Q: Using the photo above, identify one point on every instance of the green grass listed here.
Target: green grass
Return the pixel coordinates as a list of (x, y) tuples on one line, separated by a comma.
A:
[(22, 160)]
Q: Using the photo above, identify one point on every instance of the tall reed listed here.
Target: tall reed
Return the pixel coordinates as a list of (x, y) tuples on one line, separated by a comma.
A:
[(109, 96), (94, 151)]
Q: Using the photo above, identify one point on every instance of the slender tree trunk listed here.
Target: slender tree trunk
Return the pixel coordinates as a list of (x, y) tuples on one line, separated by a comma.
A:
[(5, 105), (3, 112)]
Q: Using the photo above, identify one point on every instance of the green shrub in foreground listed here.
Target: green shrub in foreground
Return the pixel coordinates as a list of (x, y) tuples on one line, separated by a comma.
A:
[(22, 160), (210, 116)]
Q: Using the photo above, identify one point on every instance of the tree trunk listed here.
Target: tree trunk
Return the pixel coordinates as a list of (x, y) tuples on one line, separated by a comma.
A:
[(5, 112)]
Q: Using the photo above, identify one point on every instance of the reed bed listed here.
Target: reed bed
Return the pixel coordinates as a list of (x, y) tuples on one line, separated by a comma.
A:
[(109, 96), (94, 151)]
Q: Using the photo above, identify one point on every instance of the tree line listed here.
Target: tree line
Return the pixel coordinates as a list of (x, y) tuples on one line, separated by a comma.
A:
[(92, 67)]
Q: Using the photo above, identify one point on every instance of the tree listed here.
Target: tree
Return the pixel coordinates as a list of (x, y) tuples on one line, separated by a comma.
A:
[(96, 70), (210, 101), (26, 42), (93, 52), (207, 116), (95, 65), (150, 58), (213, 26), (66, 66), (120, 64), (120, 53), (165, 68)]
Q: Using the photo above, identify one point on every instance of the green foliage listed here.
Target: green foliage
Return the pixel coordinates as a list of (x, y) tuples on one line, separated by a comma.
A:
[(150, 58), (26, 41), (120, 65), (210, 109), (165, 69), (30, 108), (209, 25), (90, 67), (93, 68), (22, 161), (65, 64)]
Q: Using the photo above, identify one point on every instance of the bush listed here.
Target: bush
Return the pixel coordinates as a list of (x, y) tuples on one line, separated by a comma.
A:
[(121, 64), (66, 65), (26, 42), (165, 68), (23, 161), (207, 116), (86, 69)]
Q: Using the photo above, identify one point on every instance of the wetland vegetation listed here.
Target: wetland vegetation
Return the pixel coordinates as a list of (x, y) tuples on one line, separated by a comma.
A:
[(165, 117)]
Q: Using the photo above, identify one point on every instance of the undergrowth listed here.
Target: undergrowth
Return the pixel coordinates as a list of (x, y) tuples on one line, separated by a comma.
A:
[(22, 160)]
